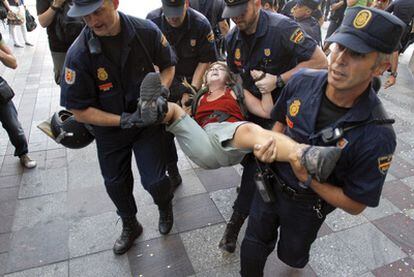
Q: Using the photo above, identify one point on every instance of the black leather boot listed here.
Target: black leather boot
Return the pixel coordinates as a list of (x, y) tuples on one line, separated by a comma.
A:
[(131, 230), (166, 220), (229, 239), (174, 176)]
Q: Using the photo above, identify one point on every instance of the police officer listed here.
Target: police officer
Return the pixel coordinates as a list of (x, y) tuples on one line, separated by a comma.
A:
[(404, 10), (213, 9), (302, 12), (288, 8), (101, 84), (313, 103), (192, 39), (278, 46)]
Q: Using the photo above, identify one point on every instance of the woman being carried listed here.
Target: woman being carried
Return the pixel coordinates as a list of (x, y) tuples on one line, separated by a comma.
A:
[(212, 143)]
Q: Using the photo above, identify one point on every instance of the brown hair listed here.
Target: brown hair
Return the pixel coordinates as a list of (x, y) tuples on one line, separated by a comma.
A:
[(231, 77)]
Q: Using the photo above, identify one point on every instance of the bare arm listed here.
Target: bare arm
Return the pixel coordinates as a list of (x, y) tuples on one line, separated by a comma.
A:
[(336, 6), (6, 56), (46, 18), (318, 60), (167, 76), (259, 107), (6, 5), (335, 196), (394, 65), (198, 75), (96, 117)]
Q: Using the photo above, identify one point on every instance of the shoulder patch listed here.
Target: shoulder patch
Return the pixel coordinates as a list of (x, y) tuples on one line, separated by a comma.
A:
[(384, 163), (297, 36), (70, 76), (164, 41), (210, 36)]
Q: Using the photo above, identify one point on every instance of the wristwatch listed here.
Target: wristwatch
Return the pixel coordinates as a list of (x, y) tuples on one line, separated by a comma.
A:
[(279, 82), (54, 8), (394, 74)]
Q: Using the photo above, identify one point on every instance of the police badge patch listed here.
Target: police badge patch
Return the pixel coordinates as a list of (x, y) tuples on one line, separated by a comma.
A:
[(70, 76), (362, 19), (384, 163), (102, 74), (294, 108), (210, 37), (297, 36)]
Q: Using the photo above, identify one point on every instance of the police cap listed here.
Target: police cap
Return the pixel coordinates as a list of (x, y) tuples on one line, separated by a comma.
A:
[(365, 30), (234, 8), (173, 8), (311, 4), (84, 7)]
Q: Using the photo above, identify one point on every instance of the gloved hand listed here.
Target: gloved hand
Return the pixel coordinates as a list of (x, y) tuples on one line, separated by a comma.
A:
[(132, 120)]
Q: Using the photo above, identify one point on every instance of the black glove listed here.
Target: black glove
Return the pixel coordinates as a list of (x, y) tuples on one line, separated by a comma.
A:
[(132, 120)]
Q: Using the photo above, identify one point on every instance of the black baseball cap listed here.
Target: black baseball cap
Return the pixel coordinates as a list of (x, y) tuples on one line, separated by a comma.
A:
[(312, 4), (173, 8), (84, 7), (365, 30), (234, 8)]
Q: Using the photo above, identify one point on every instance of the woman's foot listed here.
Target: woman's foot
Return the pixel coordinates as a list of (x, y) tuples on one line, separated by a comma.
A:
[(27, 162), (29, 43), (320, 161)]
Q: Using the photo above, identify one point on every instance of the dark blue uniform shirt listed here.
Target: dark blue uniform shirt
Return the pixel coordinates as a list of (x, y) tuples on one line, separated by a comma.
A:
[(403, 9), (92, 80), (278, 45), (311, 27), (193, 42), (366, 151)]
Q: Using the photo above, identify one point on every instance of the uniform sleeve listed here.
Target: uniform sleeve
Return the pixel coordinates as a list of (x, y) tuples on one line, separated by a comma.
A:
[(230, 54), (163, 54), (368, 167), (297, 42), (77, 86), (207, 51), (42, 6)]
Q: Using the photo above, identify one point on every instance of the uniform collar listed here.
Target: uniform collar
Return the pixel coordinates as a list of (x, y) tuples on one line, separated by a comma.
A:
[(262, 26), (363, 107), (127, 28)]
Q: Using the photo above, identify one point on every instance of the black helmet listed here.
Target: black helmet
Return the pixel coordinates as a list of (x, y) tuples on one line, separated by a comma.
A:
[(68, 132)]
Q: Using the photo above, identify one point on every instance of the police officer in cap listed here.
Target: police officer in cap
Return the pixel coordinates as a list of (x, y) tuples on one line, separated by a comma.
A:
[(277, 46), (302, 13), (192, 39), (334, 107), (103, 72)]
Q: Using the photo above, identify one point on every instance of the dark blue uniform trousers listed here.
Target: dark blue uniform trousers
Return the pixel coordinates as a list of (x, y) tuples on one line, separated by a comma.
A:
[(10, 122), (297, 223), (247, 186), (115, 152)]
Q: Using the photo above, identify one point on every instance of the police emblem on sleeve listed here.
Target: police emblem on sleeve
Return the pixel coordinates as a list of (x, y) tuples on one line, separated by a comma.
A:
[(193, 42), (362, 19), (70, 76), (267, 52), (297, 36), (210, 36), (237, 54), (102, 74), (294, 108), (384, 163), (164, 41)]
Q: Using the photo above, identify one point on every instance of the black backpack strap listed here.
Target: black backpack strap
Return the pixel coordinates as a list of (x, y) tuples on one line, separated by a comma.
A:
[(196, 99), (239, 91)]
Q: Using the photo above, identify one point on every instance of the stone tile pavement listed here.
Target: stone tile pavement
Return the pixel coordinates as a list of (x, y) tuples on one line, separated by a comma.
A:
[(57, 220)]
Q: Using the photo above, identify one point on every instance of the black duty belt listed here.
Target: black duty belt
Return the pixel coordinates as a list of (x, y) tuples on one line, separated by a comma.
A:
[(293, 193)]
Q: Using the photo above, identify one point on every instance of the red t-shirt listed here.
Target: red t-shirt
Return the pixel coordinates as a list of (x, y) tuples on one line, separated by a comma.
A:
[(225, 103)]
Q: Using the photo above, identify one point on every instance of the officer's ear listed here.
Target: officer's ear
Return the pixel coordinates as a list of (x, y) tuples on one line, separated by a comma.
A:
[(115, 3), (382, 63)]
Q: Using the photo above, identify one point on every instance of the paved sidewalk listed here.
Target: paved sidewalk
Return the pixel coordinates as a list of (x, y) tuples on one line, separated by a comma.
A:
[(57, 219)]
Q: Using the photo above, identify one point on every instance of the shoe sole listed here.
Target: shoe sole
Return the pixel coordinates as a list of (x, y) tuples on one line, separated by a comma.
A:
[(321, 161)]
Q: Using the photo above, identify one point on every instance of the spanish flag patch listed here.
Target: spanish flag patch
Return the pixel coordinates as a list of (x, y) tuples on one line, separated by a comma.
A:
[(297, 36)]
